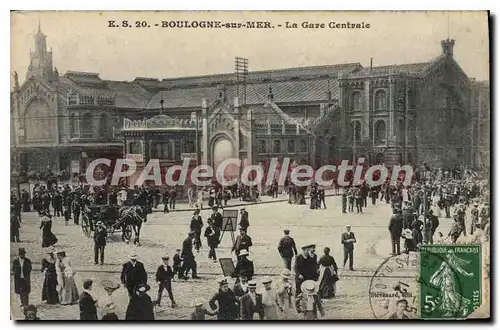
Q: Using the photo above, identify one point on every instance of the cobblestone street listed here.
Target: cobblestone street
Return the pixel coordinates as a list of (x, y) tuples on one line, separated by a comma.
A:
[(163, 233)]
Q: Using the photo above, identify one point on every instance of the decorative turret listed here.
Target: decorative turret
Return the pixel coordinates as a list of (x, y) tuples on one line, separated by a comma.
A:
[(448, 47), (40, 60)]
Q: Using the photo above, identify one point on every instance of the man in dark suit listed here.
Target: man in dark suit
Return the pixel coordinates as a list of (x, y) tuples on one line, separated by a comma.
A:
[(88, 310), (251, 303), (216, 217), (133, 274), (348, 239), (396, 228), (196, 225), (164, 275), (242, 242), (188, 261), (21, 267), (287, 249), (100, 235), (306, 267), (245, 265)]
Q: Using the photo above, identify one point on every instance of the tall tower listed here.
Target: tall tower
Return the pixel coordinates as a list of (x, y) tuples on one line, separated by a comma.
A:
[(40, 60)]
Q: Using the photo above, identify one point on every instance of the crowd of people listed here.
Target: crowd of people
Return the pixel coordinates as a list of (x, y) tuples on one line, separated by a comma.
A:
[(306, 280)]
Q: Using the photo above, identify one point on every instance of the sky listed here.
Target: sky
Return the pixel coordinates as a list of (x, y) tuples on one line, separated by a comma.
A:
[(82, 41)]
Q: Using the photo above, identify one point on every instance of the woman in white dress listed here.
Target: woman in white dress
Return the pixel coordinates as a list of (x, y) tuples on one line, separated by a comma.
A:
[(66, 286)]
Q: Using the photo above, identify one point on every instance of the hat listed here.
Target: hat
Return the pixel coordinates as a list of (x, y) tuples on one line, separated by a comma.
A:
[(198, 302), (191, 233), (266, 280), (242, 209), (252, 284), (407, 233), (110, 285), (99, 223), (22, 251), (177, 249), (308, 285), (243, 253), (476, 204), (312, 246), (60, 251), (222, 280), (165, 257), (143, 288), (133, 256), (348, 226), (286, 273), (87, 283), (50, 249), (286, 231)]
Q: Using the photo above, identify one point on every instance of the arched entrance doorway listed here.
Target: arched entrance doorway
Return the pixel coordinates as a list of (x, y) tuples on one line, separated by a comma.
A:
[(222, 149)]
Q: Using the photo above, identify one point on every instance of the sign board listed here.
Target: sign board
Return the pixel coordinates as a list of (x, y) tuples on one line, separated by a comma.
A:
[(135, 157), (229, 220), (75, 166), (190, 155), (227, 266)]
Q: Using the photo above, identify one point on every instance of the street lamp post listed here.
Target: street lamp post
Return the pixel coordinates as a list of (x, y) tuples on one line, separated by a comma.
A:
[(427, 232)]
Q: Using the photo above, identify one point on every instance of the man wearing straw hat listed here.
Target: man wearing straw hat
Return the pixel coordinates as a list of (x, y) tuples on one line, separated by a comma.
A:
[(226, 301), (251, 303), (308, 302), (133, 274), (284, 290)]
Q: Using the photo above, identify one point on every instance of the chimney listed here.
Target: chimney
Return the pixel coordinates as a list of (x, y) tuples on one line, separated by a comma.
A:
[(371, 64), (447, 46), (270, 95)]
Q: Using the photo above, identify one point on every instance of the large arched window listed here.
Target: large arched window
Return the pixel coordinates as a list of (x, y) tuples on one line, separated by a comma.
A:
[(40, 123), (87, 129), (163, 150), (356, 101), (380, 100), (380, 132), (356, 131)]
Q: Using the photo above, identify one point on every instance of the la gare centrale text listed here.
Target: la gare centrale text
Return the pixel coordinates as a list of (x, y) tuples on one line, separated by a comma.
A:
[(235, 25)]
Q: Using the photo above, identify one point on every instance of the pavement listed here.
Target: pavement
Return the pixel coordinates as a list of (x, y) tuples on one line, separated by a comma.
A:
[(163, 233)]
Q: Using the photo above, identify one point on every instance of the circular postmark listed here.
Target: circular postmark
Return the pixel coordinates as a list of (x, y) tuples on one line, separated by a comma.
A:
[(424, 285), (393, 291)]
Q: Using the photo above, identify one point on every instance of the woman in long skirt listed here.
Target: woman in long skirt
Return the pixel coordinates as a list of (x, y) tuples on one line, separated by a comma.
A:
[(66, 287), (48, 238), (49, 289), (327, 282)]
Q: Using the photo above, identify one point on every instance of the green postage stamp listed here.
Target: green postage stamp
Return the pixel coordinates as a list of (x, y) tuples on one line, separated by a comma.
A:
[(450, 281)]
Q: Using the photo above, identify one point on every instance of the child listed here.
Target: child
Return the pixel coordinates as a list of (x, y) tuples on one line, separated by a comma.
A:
[(30, 313), (177, 263), (410, 245), (308, 302), (200, 311)]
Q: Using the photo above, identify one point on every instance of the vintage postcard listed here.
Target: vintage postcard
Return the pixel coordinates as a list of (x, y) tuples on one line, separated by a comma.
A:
[(322, 165)]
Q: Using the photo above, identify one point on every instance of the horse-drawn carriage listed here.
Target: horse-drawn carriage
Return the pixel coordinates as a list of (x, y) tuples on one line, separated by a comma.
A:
[(111, 218)]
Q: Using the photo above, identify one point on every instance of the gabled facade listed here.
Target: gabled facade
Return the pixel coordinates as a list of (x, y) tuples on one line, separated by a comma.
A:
[(408, 113)]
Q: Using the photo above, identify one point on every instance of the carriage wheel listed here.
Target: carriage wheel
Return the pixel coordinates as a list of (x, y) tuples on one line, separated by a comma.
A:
[(85, 225), (127, 232)]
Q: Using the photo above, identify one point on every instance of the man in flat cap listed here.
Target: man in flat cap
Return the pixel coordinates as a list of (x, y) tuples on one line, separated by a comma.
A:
[(287, 249), (216, 217), (164, 276), (306, 266), (242, 242), (133, 274), (270, 300), (195, 226), (188, 261), (245, 265), (226, 302), (251, 303), (348, 239), (100, 236), (21, 267), (88, 310)]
